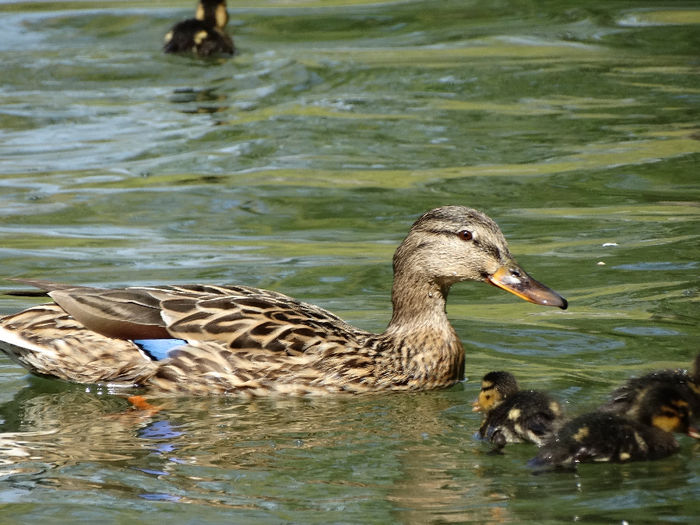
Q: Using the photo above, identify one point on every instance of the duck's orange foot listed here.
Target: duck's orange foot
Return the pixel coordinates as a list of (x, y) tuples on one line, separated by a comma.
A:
[(140, 403)]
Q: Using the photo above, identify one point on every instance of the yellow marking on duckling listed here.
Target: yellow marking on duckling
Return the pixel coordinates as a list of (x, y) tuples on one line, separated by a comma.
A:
[(200, 36), (641, 443), (514, 414), (199, 13), (555, 408), (168, 36), (624, 456), (581, 434), (221, 16), (666, 422)]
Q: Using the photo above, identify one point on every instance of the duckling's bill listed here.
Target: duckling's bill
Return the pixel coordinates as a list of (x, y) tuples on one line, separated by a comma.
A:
[(515, 280)]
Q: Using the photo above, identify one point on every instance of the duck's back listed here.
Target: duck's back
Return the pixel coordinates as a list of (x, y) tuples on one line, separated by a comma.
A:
[(625, 400), (199, 37), (527, 415), (604, 437), (222, 338)]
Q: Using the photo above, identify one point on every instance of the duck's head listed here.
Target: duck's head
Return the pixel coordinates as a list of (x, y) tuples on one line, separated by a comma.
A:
[(495, 387), (454, 243), (212, 12), (668, 408)]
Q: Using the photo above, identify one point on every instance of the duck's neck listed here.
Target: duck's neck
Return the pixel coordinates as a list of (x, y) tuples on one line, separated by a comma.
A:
[(417, 303), (429, 350)]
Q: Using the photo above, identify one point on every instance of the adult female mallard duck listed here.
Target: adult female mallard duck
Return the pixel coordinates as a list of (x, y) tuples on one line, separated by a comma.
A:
[(204, 339), (626, 400), (205, 34), (605, 437), (512, 415)]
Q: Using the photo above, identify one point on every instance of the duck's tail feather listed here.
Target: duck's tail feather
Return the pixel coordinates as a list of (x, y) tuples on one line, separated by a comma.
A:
[(47, 341)]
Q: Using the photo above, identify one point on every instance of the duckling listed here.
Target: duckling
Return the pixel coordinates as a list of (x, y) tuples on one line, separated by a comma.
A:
[(204, 339), (205, 35), (625, 400), (513, 415), (605, 437)]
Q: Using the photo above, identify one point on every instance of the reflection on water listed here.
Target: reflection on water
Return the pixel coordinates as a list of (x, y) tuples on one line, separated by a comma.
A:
[(203, 100), (299, 165), (408, 457), (204, 449)]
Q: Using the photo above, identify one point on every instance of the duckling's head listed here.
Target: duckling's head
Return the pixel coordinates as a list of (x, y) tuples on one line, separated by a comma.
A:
[(454, 243), (212, 12), (668, 408), (495, 388)]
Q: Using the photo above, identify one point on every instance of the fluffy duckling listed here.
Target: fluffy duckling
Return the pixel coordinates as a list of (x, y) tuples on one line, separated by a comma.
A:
[(205, 34), (513, 415), (606, 437), (626, 400)]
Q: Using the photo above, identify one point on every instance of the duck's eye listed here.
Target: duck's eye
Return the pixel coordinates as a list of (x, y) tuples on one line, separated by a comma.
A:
[(465, 235)]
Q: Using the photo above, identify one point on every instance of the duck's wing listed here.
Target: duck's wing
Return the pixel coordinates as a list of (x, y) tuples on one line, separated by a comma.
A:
[(539, 415), (235, 317), (247, 318), (128, 313), (215, 42)]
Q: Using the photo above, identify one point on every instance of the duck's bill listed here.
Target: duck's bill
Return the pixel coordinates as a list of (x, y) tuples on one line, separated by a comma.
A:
[(694, 432), (513, 279), (476, 406)]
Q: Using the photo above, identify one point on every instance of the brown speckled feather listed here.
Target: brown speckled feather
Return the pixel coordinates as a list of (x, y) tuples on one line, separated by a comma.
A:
[(47, 341)]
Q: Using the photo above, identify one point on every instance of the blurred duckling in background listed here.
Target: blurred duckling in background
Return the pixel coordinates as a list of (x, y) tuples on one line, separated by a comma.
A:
[(512, 415), (626, 400), (205, 34), (606, 437)]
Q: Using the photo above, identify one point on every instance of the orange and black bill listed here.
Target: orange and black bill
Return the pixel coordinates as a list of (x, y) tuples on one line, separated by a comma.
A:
[(515, 280)]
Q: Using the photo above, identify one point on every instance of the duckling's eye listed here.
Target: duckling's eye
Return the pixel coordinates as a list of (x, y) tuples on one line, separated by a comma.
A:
[(465, 235)]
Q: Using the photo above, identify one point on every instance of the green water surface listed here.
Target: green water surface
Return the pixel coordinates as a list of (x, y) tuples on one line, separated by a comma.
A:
[(298, 166)]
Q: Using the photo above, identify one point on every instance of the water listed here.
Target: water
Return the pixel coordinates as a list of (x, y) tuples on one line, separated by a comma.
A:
[(298, 166)]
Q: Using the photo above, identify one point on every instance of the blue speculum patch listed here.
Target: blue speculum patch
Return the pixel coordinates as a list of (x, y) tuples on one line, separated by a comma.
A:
[(158, 349)]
